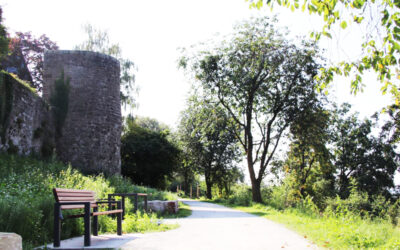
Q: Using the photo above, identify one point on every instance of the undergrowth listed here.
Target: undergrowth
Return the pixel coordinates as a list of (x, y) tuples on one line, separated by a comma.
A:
[(26, 199), (342, 224)]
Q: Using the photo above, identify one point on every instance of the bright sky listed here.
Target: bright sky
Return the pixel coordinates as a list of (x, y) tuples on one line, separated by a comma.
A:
[(150, 32)]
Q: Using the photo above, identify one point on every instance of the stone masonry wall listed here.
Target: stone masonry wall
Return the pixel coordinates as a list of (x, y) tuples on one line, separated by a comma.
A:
[(90, 135), (25, 119)]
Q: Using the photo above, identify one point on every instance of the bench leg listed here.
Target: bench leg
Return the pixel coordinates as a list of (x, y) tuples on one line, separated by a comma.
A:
[(119, 220), (87, 225), (57, 225), (95, 223)]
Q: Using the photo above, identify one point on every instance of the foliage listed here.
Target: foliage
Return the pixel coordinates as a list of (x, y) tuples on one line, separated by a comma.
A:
[(4, 40), (371, 161), (26, 199), (381, 38), (99, 41), (309, 160), (142, 222), (206, 131), (59, 101), (32, 50), (334, 231), (241, 196), (263, 81), (148, 157)]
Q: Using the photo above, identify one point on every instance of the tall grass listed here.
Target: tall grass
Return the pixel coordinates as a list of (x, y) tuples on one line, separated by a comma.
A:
[(26, 199), (354, 223)]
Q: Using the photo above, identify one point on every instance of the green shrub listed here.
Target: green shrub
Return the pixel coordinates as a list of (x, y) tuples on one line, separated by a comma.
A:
[(241, 196), (26, 199)]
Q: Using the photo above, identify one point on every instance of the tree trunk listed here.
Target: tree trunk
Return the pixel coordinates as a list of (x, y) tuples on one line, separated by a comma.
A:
[(208, 193), (256, 191)]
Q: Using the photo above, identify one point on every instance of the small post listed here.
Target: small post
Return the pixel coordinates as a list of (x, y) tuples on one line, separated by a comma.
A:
[(136, 203), (57, 225), (145, 203), (87, 224), (190, 190), (198, 191), (95, 223), (123, 207), (177, 188), (109, 202), (119, 219)]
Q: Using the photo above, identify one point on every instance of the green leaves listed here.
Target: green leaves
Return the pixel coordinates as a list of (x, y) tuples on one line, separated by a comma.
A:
[(343, 24)]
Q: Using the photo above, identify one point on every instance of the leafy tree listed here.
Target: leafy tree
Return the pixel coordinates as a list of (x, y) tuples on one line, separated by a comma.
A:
[(309, 160), (225, 178), (151, 124), (381, 45), (99, 41), (31, 49), (4, 40), (370, 161), (148, 157), (264, 82), (206, 132)]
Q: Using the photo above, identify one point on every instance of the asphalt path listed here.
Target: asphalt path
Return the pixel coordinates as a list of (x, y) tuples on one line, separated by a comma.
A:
[(213, 226)]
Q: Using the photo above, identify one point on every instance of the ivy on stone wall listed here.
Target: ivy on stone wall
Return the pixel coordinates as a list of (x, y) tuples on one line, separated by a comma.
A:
[(59, 101), (6, 101)]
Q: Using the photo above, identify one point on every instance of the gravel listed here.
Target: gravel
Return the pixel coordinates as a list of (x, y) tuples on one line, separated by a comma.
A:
[(213, 226)]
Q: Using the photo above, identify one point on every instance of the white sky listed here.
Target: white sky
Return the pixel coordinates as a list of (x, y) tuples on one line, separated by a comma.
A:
[(150, 32)]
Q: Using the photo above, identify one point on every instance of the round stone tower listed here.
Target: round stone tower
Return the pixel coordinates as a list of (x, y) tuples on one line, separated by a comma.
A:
[(89, 130)]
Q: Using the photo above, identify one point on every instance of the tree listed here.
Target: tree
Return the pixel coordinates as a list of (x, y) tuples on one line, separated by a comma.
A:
[(206, 132), (264, 82), (99, 41), (309, 159), (226, 177), (381, 45), (370, 161), (4, 40), (29, 50), (148, 157)]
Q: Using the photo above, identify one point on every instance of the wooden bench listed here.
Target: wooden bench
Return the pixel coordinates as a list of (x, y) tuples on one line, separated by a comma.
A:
[(86, 200)]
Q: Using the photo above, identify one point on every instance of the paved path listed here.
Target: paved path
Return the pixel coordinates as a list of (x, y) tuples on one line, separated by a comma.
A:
[(217, 227)]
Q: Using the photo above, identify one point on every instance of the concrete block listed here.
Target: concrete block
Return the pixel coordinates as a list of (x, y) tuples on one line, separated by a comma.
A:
[(10, 241)]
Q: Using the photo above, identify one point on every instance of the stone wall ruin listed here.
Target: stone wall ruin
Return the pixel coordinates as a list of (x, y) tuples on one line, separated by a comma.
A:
[(88, 134)]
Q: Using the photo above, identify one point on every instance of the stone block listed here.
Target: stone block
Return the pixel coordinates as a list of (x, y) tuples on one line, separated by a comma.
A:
[(163, 206), (10, 241)]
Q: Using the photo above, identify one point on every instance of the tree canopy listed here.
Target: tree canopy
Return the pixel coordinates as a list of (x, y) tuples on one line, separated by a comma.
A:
[(380, 42), (99, 41), (207, 134), (147, 156), (263, 81)]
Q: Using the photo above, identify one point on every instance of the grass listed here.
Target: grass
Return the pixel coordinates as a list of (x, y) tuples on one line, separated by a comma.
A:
[(26, 200), (347, 231)]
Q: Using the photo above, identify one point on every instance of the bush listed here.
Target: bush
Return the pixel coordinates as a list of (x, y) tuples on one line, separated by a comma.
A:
[(241, 196), (26, 199)]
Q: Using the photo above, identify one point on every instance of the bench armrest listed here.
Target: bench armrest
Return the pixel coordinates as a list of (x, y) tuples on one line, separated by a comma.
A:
[(106, 202)]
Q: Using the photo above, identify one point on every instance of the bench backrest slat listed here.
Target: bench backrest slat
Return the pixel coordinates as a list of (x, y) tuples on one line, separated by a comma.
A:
[(73, 195)]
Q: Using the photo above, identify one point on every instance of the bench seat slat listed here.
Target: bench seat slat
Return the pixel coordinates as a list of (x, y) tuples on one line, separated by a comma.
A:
[(62, 190), (68, 198), (75, 195), (64, 207)]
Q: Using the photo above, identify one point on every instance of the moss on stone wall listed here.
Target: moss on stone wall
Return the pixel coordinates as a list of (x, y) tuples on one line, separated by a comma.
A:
[(59, 101)]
